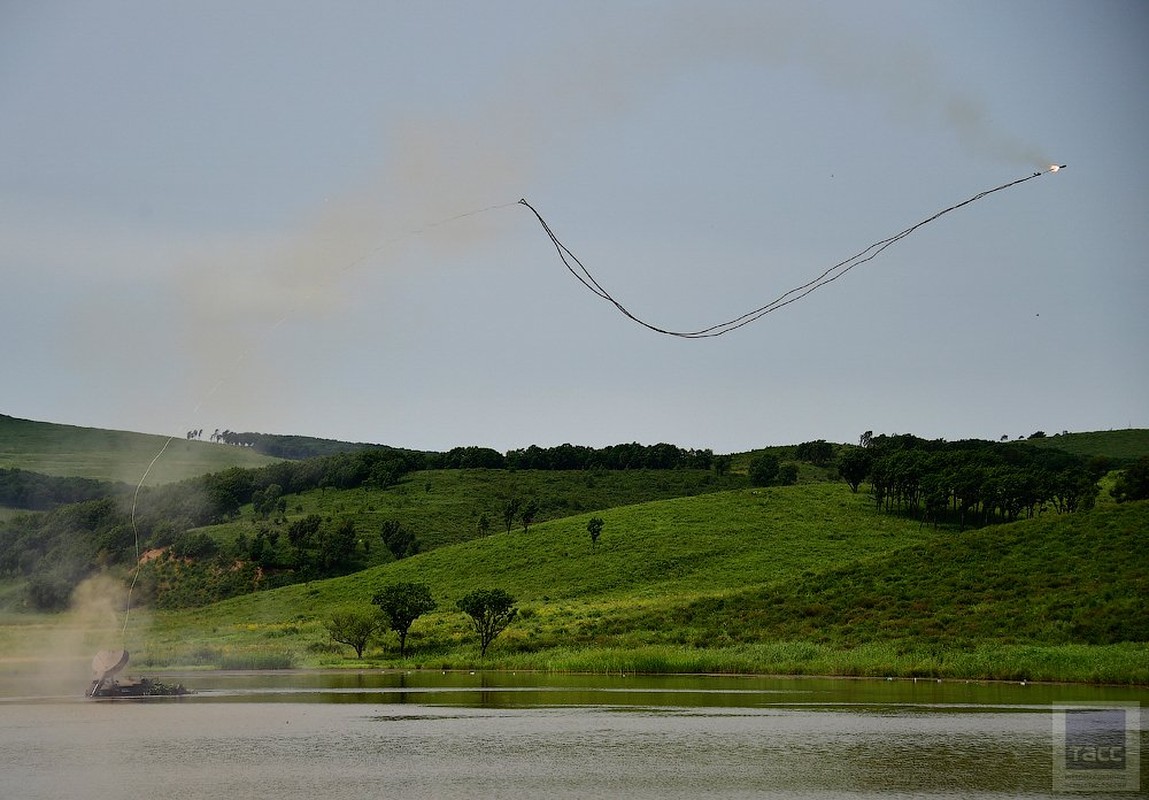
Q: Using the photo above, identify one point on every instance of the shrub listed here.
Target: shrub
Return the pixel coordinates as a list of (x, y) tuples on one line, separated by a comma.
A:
[(763, 470)]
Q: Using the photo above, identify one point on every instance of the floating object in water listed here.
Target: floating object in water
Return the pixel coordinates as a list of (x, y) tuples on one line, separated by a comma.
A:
[(105, 666), (109, 663), (140, 687)]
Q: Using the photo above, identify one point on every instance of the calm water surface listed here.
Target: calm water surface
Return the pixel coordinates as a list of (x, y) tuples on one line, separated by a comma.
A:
[(294, 735)]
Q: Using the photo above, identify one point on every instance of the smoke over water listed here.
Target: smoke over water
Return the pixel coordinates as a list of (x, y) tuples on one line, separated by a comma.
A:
[(54, 656)]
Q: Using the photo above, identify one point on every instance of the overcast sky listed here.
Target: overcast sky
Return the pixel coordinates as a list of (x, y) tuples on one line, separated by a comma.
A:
[(299, 217)]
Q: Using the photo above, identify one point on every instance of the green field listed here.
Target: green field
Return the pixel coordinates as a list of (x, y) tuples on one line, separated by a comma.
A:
[(447, 506), (694, 573), (70, 451), (1121, 445), (805, 579)]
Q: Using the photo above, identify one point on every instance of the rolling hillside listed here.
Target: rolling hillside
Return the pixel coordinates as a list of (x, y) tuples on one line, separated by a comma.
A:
[(805, 578), (447, 506), (693, 572), (116, 456), (1052, 580), (1120, 445)]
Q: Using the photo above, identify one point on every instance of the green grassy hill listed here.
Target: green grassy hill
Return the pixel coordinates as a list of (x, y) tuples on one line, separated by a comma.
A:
[(1120, 445), (798, 579), (689, 575), (1050, 580), (446, 506), (118, 456)]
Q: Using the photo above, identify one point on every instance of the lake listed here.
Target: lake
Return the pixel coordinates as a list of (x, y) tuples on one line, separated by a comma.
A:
[(300, 734)]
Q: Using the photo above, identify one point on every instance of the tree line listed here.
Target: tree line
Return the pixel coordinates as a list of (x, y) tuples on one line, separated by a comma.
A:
[(34, 491), (560, 457), (297, 448), (972, 482), (575, 457), (488, 611)]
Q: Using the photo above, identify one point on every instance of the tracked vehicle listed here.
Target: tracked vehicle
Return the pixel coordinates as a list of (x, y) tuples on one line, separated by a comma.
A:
[(107, 664)]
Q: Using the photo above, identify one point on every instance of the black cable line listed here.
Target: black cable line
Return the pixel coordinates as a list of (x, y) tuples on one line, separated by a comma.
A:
[(831, 274)]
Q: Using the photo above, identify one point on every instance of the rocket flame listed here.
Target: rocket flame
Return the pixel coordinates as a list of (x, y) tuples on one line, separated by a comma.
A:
[(1054, 167)]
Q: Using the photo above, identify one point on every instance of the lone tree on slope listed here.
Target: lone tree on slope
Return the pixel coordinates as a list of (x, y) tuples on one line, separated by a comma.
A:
[(510, 511), (353, 628), (400, 541), (491, 611), (594, 528), (528, 514), (401, 604)]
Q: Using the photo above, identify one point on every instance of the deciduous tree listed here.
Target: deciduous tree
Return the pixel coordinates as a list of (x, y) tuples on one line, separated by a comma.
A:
[(1133, 483), (490, 612), (335, 546), (763, 470), (400, 541), (594, 528), (510, 511), (401, 604), (528, 514), (787, 474), (854, 466), (353, 628)]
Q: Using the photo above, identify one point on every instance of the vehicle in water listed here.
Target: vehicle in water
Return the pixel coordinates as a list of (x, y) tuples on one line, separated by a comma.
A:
[(107, 664)]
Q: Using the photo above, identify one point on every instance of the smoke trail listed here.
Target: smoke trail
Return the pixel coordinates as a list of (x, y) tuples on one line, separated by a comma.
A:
[(227, 293), (829, 275), (234, 294), (237, 292), (607, 71), (432, 168)]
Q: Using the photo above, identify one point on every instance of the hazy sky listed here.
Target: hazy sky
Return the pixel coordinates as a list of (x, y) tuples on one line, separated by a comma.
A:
[(258, 216)]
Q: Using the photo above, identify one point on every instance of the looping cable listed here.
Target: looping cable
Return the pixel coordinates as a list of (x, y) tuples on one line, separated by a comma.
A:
[(831, 274)]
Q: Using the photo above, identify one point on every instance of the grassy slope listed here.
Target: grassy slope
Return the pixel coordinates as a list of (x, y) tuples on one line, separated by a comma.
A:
[(444, 506), (1050, 580), (1125, 444), (801, 579), (70, 451)]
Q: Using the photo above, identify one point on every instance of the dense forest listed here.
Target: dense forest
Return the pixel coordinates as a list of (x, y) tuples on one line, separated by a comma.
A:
[(36, 492), (975, 482)]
